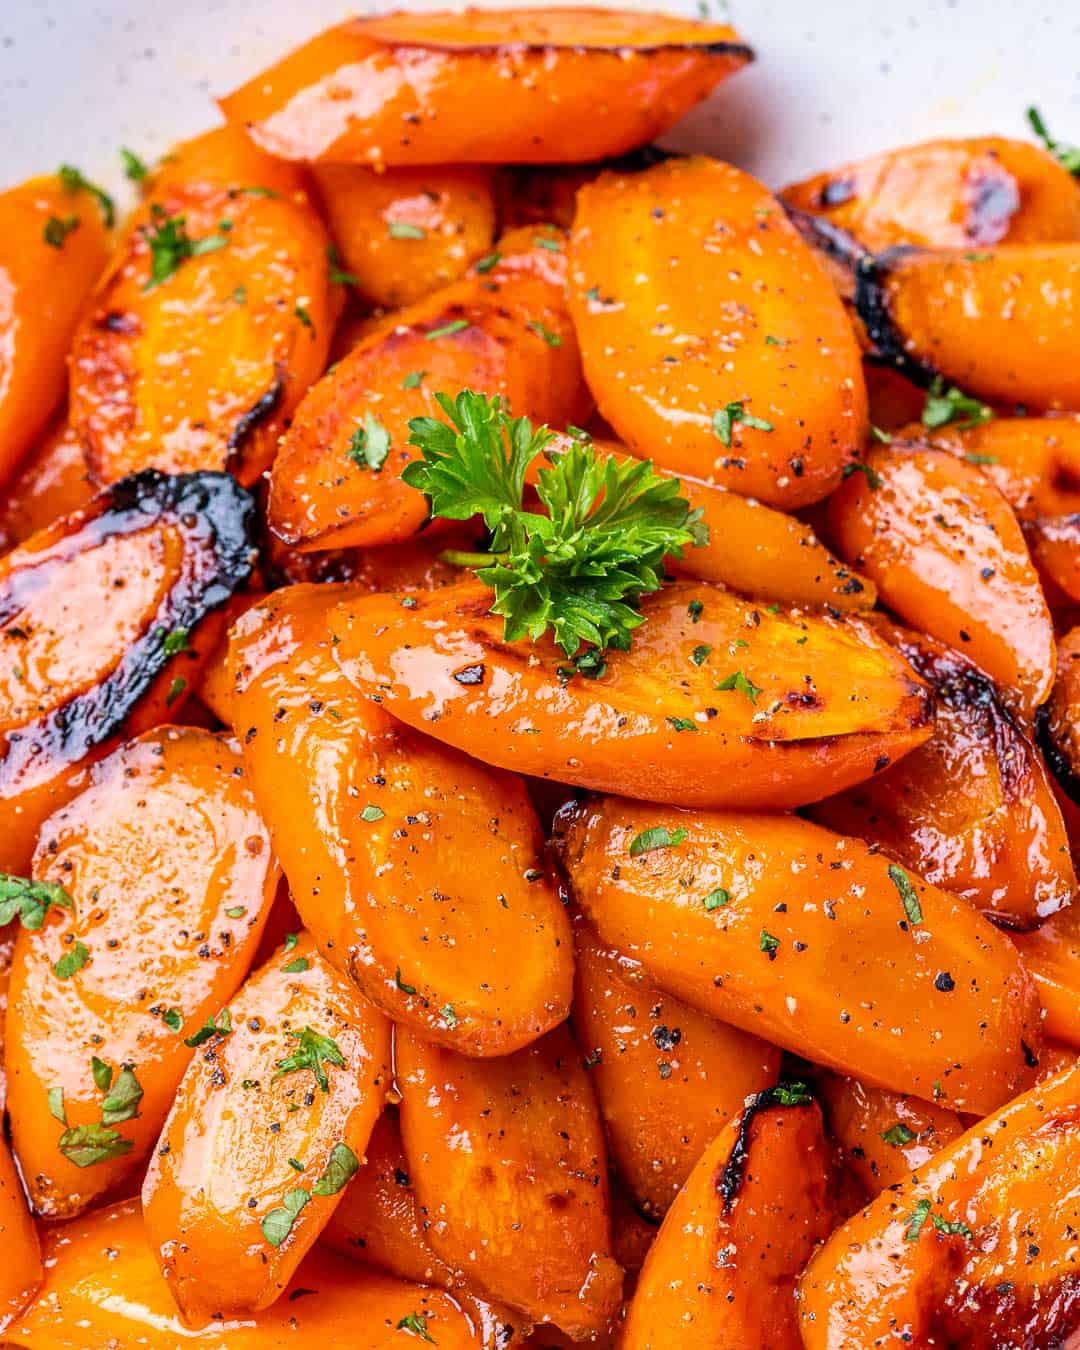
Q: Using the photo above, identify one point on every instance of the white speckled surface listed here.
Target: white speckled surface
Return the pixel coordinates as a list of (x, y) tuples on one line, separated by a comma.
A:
[(834, 79)]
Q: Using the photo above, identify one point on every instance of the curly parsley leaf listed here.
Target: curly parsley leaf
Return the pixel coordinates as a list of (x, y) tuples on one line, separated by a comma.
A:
[(30, 900), (170, 245)]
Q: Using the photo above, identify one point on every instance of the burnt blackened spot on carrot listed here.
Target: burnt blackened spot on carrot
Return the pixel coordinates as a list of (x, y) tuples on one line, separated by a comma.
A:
[(255, 416), (733, 1173)]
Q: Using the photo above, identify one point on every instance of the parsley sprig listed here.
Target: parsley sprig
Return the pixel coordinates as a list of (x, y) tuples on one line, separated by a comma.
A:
[(581, 568), (170, 244), (1066, 155)]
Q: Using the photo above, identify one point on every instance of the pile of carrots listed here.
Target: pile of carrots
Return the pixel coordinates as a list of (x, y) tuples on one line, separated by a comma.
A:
[(379, 962)]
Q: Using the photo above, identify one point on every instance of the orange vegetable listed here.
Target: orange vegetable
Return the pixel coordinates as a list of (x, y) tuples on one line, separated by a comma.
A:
[(884, 1135), (758, 386), (544, 194), (976, 1248), (948, 556), (54, 246), (667, 1078), (948, 194), (244, 309), (103, 1289), (22, 1271), (507, 1157), (1051, 955), (1054, 543), (402, 233), (52, 482), (721, 1273), (156, 854), (7, 951), (419, 871), (808, 704), (973, 810), (269, 1125), (531, 85), (503, 329), (94, 613), (863, 967)]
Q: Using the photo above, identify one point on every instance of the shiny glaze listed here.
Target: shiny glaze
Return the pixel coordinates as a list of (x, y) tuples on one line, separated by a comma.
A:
[(53, 481), (508, 1161), (664, 350), (948, 556), (484, 88), (1054, 543), (1012, 1180), (222, 1162), (21, 1271), (153, 852), (442, 902), (836, 701), (851, 983)]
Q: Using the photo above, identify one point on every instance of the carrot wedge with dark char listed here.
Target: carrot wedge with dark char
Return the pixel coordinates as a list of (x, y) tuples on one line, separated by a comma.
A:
[(105, 618), (507, 1157), (22, 1271), (812, 940), (103, 1289), (526, 85), (418, 870), (718, 702), (721, 1273), (978, 1247), (170, 878), (269, 1125)]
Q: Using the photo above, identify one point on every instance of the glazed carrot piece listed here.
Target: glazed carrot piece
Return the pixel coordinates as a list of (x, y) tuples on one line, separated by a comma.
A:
[(1051, 956), (722, 1270), (1054, 544), (527, 85), (170, 878), (7, 952), (105, 618), (542, 194), (666, 1077), (865, 968), (717, 702), (948, 556), (973, 810), (22, 1271), (894, 400), (504, 329), (507, 1157), (976, 1248), (269, 1125), (734, 362), (884, 1135), (948, 194), (55, 243), (1059, 721), (403, 233), (52, 482), (222, 272), (103, 1289), (418, 870)]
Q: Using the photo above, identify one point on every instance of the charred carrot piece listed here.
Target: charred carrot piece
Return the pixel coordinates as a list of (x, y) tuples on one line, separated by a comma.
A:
[(53, 481)]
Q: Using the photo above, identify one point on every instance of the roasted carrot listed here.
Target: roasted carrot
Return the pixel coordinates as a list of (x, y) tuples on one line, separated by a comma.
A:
[(757, 387), (976, 1248), (418, 870), (503, 329), (222, 273), (948, 556), (53, 481), (403, 233), (721, 1273), (666, 1077), (717, 702), (1059, 721), (105, 618), (528, 85), (867, 968), (507, 1157), (7, 952), (54, 246), (169, 878), (22, 1270), (1054, 543), (103, 1289)]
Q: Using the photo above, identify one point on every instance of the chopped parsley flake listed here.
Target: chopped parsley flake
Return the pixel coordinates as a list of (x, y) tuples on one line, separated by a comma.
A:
[(657, 837)]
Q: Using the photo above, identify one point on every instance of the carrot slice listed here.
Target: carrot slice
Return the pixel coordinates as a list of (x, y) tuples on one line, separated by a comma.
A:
[(22, 1270), (724, 1264), (717, 702), (418, 870), (52, 482), (527, 85), (667, 1077), (172, 878), (96, 613), (504, 329), (507, 1156), (226, 278), (867, 969), (54, 247), (753, 381), (268, 1126), (103, 1289)]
